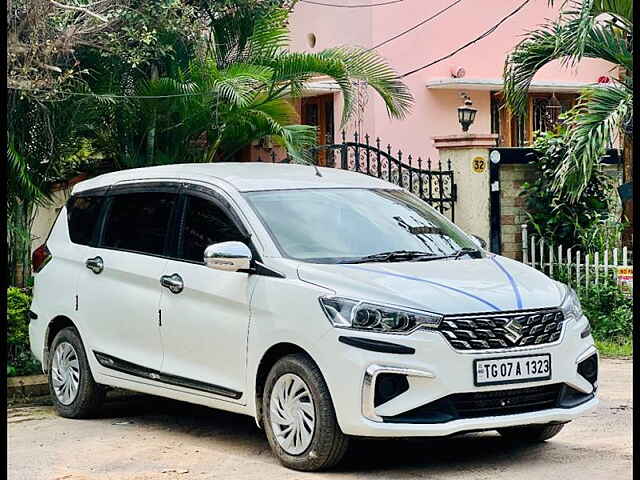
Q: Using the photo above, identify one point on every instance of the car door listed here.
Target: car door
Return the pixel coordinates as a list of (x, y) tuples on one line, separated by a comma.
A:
[(119, 290), (205, 322)]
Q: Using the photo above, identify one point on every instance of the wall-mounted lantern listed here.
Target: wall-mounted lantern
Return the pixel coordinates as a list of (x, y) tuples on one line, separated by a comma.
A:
[(466, 113), (553, 110)]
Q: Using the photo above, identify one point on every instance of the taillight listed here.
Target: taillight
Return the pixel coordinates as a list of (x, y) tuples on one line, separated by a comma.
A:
[(40, 258)]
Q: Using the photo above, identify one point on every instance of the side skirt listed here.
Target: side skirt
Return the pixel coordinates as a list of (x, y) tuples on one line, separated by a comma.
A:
[(123, 366)]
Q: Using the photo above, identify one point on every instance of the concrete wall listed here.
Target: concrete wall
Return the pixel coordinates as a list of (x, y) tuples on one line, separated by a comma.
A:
[(45, 216)]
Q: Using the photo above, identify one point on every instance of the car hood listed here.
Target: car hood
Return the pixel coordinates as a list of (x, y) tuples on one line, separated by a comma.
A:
[(449, 286)]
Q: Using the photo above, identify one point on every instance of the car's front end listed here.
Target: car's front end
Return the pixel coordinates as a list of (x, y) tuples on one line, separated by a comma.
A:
[(430, 383)]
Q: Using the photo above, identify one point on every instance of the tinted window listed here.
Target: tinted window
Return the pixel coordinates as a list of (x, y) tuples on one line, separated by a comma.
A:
[(139, 222), (82, 217), (205, 223)]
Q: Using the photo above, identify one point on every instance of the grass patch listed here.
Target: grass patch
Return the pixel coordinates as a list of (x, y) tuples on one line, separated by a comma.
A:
[(615, 348)]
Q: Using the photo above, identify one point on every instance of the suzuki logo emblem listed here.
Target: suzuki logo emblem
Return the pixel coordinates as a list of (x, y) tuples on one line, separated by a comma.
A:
[(514, 330)]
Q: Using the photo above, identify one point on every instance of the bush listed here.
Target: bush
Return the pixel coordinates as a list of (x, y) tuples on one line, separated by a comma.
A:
[(20, 360), (609, 310), (586, 223)]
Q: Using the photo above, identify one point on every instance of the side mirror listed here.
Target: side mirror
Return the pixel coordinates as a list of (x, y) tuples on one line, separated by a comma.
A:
[(479, 241), (228, 256)]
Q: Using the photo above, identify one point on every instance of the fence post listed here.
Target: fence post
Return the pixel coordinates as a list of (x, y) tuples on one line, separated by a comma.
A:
[(586, 270), (533, 251), (596, 261), (551, 260), (525, 245), (578, 269), (559, 258), (568, 266)]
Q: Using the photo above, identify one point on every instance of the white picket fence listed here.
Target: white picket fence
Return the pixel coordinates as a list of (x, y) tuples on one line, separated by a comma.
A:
[(582, 268)]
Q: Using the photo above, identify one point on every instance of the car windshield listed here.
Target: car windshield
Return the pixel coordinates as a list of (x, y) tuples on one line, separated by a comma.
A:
[(351, 225)]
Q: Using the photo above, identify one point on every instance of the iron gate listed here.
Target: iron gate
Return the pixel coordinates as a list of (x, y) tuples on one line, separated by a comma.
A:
[(423, 178)]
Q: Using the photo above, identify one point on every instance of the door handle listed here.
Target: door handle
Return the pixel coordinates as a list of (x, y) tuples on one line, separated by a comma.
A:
[(95, 264), (172, 282)]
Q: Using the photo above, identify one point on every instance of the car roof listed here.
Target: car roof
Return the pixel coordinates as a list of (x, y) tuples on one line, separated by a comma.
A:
[(244, 177)]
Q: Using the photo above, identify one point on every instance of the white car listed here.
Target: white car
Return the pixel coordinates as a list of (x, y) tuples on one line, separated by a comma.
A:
[(326, 304)]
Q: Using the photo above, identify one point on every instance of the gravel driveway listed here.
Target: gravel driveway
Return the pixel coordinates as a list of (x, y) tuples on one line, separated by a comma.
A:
[(147, 438)]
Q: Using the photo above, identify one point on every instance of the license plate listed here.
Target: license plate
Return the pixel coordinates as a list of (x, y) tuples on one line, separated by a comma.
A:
[(526, 368)]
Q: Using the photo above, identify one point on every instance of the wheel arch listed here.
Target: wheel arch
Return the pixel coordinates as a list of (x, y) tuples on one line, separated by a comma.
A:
[(53, 327), (269, 358)]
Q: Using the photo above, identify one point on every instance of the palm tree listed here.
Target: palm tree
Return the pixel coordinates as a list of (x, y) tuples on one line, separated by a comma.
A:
[(241, 91), (593, 29)]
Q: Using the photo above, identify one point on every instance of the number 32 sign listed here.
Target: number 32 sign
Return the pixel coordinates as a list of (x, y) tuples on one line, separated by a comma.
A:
[(479, 164)]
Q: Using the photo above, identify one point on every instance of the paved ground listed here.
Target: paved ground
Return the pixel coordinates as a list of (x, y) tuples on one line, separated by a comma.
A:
[(146, 438)]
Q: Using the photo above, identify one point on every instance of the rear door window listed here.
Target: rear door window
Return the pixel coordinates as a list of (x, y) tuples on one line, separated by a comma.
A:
[(82, 217), (139, 222), (204, 224)]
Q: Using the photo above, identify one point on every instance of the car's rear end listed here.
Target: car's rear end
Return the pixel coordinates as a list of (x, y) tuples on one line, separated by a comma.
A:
[(53, 265)]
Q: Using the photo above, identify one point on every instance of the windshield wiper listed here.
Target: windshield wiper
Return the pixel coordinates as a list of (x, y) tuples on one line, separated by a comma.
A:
[(472, 252), (396, 256)]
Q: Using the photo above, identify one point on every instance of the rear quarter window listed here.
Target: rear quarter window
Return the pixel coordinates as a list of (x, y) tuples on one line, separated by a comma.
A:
[(82, 218)]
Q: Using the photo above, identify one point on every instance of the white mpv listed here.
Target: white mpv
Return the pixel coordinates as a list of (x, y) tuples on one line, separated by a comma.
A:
[(326, 304)]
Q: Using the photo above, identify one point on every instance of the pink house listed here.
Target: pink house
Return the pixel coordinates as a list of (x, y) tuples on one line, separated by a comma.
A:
[(476, 70)]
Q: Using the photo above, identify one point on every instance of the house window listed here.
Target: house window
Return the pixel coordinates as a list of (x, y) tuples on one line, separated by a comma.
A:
[(518, 131)]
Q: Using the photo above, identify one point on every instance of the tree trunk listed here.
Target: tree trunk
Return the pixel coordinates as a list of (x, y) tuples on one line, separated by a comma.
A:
[(627, 176), (151, 136)]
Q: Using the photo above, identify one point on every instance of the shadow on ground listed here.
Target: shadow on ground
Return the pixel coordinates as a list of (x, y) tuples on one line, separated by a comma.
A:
[(239, 432)]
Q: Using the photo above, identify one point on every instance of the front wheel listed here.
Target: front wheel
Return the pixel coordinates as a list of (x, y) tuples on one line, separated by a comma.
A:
[(531, 433), (299, 418), (74, 392)]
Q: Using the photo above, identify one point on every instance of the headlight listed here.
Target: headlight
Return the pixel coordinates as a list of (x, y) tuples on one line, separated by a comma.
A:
[(571, 305), (358, 315)]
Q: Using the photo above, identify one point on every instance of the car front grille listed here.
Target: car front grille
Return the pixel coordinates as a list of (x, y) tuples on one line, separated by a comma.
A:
[(499, 331)]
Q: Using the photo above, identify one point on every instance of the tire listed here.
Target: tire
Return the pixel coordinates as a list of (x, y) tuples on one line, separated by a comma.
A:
[(72, 364), (531, 433), (326, 444)]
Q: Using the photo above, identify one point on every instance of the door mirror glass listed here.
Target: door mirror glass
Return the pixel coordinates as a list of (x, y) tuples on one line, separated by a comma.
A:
[(228, 256), (481, 242)]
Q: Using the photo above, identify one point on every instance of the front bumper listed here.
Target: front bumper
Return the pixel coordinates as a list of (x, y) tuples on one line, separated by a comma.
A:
[(436, 371)]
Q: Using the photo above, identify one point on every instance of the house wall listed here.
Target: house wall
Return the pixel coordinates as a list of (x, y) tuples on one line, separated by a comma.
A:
[(435, 111), (45, 216)]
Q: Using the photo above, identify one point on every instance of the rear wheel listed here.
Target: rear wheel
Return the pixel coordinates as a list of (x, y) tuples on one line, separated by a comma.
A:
[(531, 433), (74, 392), (299, 418)]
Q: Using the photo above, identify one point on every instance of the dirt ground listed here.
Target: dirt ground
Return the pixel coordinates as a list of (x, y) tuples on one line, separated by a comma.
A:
[(147, 438)]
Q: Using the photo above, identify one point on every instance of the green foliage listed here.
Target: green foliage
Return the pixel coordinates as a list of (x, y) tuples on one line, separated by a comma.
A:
[(587, 223), (20, 359), (601, 29), (240, 92), (609, 310)]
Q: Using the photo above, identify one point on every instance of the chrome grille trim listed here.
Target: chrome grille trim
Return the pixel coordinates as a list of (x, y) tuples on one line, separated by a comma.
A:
[(503, 331)]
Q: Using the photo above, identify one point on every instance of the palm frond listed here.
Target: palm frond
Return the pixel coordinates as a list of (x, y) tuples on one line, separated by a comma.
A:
[(368, 66), (592, 128), (557, 41)]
